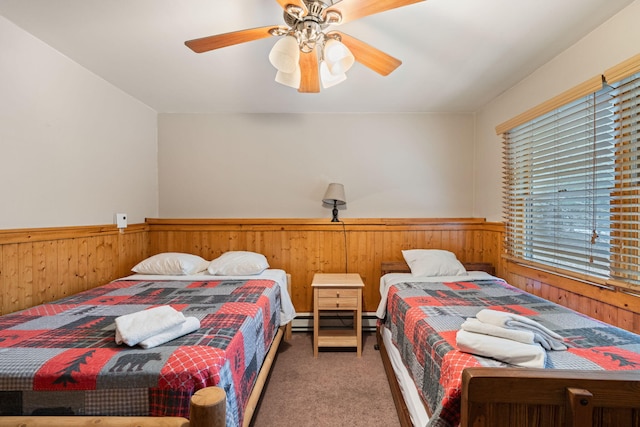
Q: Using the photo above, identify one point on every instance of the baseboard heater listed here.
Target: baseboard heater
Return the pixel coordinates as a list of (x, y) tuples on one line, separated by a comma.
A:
[(303, 322)]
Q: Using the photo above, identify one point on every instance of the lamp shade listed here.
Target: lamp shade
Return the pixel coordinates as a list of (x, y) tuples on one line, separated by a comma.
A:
[(338, 57), (285, 54), (289, 79), (335, 195), (329, 79)]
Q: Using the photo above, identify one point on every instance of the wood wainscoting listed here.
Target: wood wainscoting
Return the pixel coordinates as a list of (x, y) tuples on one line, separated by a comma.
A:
[(45, 264), (304, 247), (616, 306), (41, 265)]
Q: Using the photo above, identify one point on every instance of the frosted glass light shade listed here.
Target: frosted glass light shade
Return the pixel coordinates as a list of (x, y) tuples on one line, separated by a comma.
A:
[(285, 54), (338, 57), (289, 79), (329, 79)]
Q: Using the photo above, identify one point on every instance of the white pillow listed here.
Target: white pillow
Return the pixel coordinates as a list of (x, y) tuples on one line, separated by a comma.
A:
[(238, 263), (172, 263), (433, 262)]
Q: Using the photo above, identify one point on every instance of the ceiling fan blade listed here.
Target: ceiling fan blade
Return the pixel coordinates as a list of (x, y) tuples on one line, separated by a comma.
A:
[(369, 56), (309, 74), (206, 44), (296, 3), (356, 9)]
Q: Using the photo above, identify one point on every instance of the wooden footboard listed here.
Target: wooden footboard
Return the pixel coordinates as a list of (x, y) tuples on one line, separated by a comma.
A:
[(207, 410), (71, 421), (549, 397)]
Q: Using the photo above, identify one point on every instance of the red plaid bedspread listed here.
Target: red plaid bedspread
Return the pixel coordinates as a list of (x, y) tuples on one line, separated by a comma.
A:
[(425, 317), (61, 358)]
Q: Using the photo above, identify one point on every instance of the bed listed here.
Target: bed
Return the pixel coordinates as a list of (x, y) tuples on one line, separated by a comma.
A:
[(596, 381), (62, 359)]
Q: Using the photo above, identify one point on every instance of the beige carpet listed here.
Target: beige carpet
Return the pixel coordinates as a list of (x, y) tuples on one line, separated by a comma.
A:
[(336, 389)]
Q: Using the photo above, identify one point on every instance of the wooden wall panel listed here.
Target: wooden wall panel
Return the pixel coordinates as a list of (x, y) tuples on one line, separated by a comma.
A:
[(42, 265), (610, 305), (304, 247), (39, 265)]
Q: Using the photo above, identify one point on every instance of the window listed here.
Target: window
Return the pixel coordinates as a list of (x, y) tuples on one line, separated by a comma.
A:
[(625, 198), (559, 170), (572, 181)]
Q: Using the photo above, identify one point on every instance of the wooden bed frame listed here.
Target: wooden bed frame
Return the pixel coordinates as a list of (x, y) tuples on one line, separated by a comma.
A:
[(513, 397), (207, 408)]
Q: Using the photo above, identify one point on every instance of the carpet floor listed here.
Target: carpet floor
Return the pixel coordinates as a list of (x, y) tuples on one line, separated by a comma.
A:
[(335, 389)]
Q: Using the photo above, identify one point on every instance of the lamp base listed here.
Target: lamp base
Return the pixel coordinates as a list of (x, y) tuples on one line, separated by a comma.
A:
[(335, 213)]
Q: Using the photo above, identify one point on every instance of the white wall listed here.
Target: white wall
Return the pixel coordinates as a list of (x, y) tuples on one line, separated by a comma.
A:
[(279, 166), (73, 149), (611, 43)]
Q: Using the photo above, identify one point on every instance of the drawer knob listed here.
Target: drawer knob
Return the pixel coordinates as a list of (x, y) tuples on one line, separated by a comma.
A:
[(338, 294)]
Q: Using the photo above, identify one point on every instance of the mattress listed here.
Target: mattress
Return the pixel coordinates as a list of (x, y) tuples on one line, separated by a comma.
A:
[(61, 358)]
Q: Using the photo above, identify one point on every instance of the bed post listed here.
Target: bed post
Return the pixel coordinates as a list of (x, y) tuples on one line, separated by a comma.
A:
[(208, 408), (579, 407)]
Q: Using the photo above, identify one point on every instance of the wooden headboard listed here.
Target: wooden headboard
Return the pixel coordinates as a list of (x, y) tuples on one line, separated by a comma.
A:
[(402, 267)]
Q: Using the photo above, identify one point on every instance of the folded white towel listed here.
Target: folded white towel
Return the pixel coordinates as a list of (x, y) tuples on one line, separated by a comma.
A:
[(542, 335), (135, 327), (505, 350), (474, 325), (191, 324)]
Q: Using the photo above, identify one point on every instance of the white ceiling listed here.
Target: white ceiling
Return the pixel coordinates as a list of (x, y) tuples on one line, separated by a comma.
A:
[(457, 54)]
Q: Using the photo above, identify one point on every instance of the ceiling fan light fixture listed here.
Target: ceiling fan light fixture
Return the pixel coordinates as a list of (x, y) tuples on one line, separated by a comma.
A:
[(285, 54), (338, 57), (328, 79), (289, 79), (307, 42)]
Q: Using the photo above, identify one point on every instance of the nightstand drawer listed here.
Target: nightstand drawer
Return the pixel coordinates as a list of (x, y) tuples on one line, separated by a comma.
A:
[(338, 293), (338, 303)]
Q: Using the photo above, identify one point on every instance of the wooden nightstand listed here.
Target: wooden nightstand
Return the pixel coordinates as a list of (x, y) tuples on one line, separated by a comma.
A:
[(337, 292)]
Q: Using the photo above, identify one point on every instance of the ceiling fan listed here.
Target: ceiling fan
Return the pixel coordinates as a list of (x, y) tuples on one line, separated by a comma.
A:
[(309, 52)]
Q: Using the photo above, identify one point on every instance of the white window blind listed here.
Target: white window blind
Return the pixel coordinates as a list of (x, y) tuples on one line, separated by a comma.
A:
[(559, 176), (625, 201), (572, 183)]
